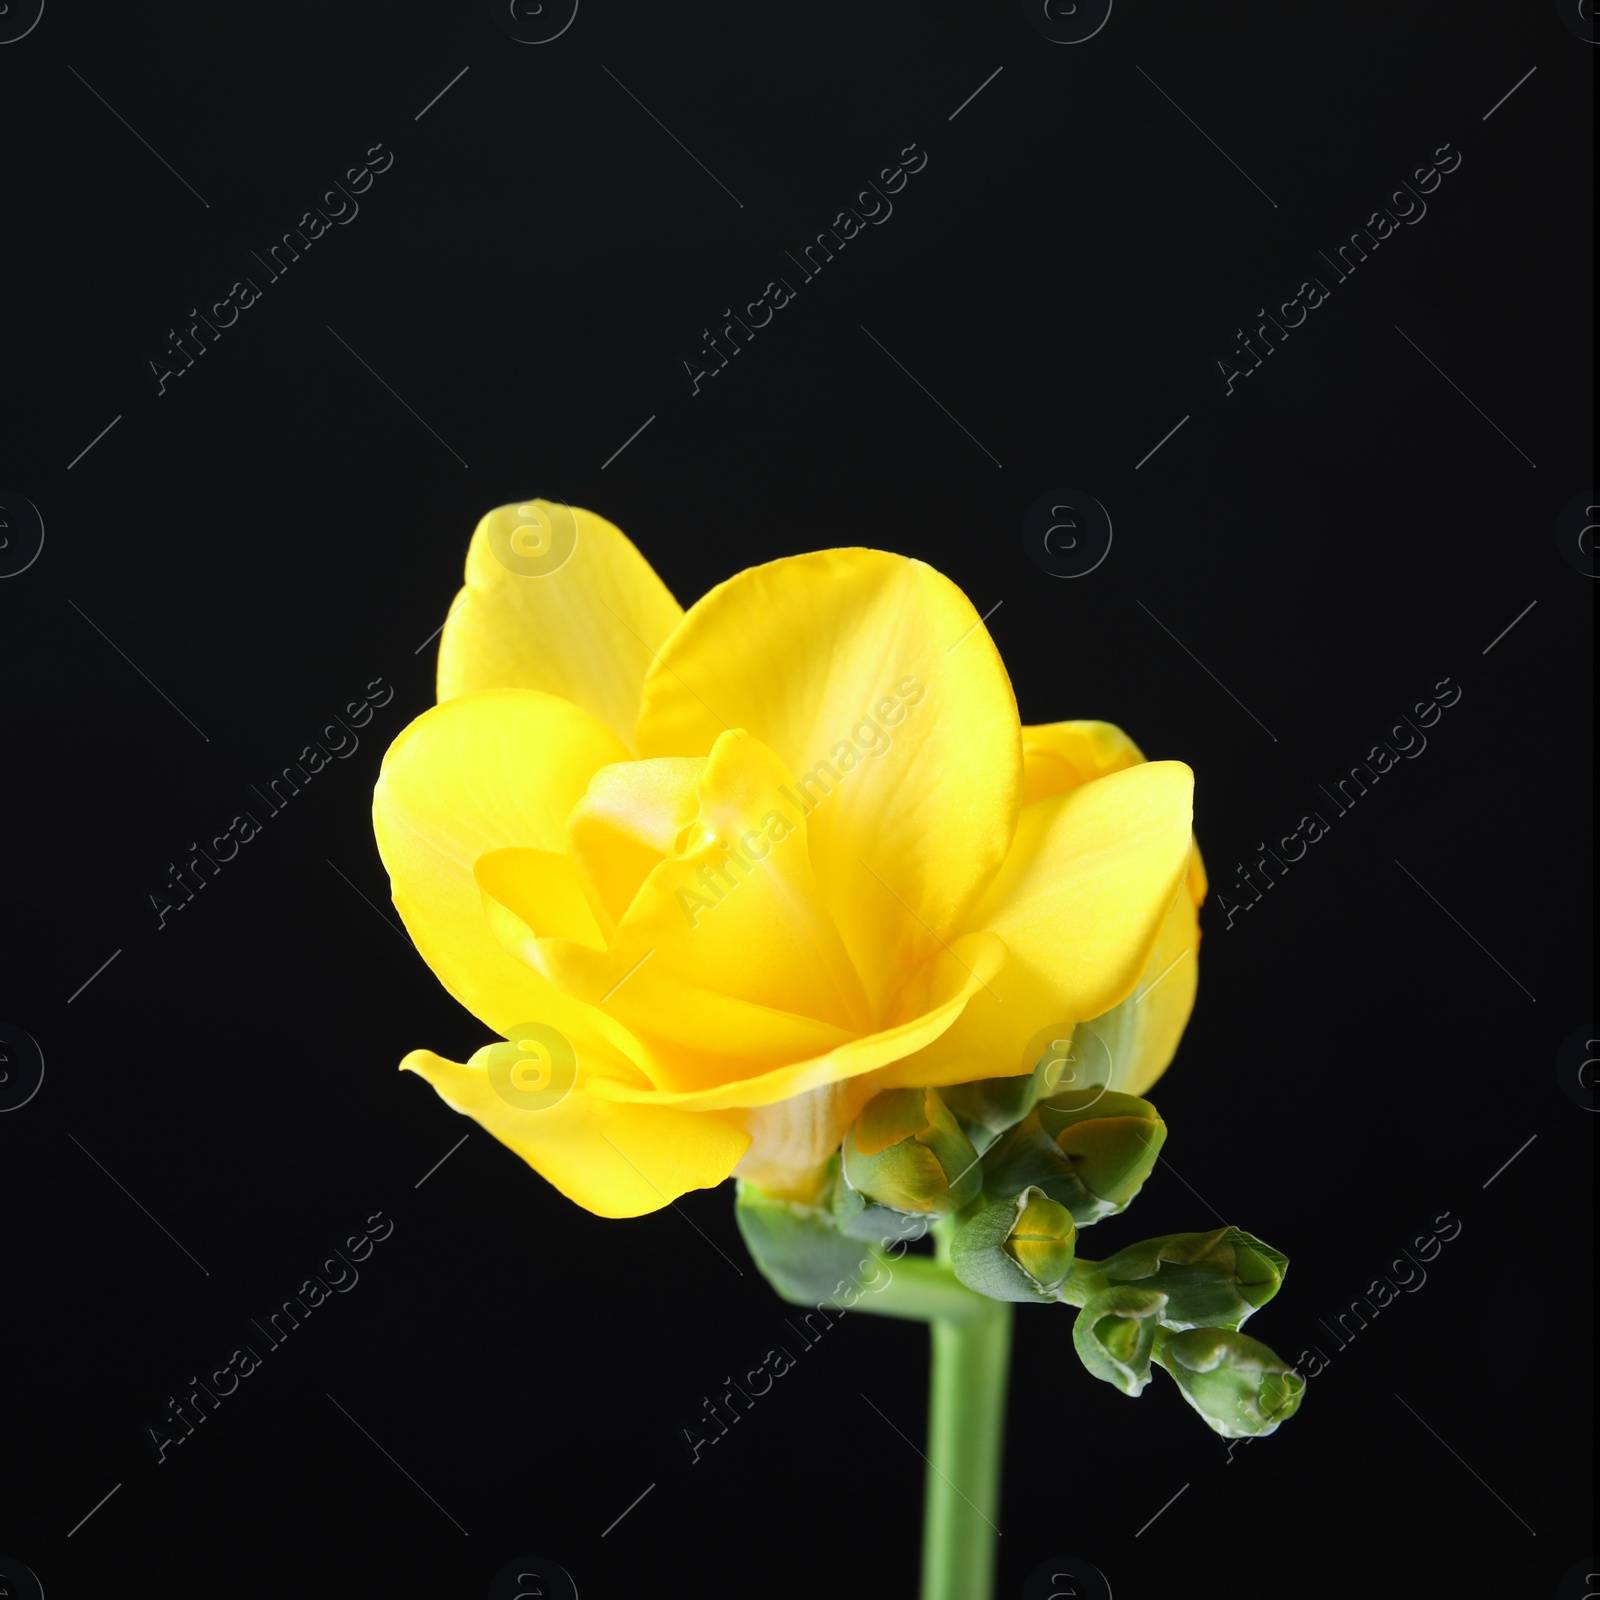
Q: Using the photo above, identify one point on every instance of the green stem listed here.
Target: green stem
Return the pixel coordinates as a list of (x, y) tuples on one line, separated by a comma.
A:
[(966, 1423), (922, 1290)]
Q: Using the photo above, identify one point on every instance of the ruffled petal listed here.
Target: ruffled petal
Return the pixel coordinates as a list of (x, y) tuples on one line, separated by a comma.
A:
[(614, 1158), (736, 907), (1080, 904), (560, 600), (696, 1036), (627, 823), (1131, 1045), (873, 680), (1057, 756), (1137, 1038), (954, 976), (476, 775)]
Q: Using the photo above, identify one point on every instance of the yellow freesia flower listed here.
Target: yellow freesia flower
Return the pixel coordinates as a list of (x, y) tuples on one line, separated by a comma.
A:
[(742, 867)]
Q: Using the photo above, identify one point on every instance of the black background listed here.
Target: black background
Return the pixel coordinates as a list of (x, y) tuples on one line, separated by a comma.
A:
[(278, 529)]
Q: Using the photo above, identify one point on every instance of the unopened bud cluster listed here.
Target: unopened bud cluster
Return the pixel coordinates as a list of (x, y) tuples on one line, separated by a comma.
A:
[(1008, 1171)]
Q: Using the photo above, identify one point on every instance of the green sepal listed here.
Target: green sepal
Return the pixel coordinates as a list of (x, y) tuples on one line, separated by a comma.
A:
[(1115, 1333), (797, 1248), (980, 1259), (1243, 1389), (907, 1151), (1211, 1280), (1088, 1149)]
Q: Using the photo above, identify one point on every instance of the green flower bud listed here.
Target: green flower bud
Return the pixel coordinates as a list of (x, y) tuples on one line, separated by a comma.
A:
[(1211, 1280), (1115, 1334), (1019, 1249), (857, 1217), (1088, 1149), (1042, 1240), (1236, 1383), (907, 1151)]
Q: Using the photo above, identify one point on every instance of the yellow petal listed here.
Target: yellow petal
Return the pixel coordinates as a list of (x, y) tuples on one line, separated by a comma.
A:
[(615, 1159), (1080, 904), (873, 680), (1088, 883), (737, 908), (1057, 756), (714, 998), (529, 894), (1137, 1038), (695, 1036), (627, 822), (583, 628), (475, 775), (968, 966), (1130, 1046)]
